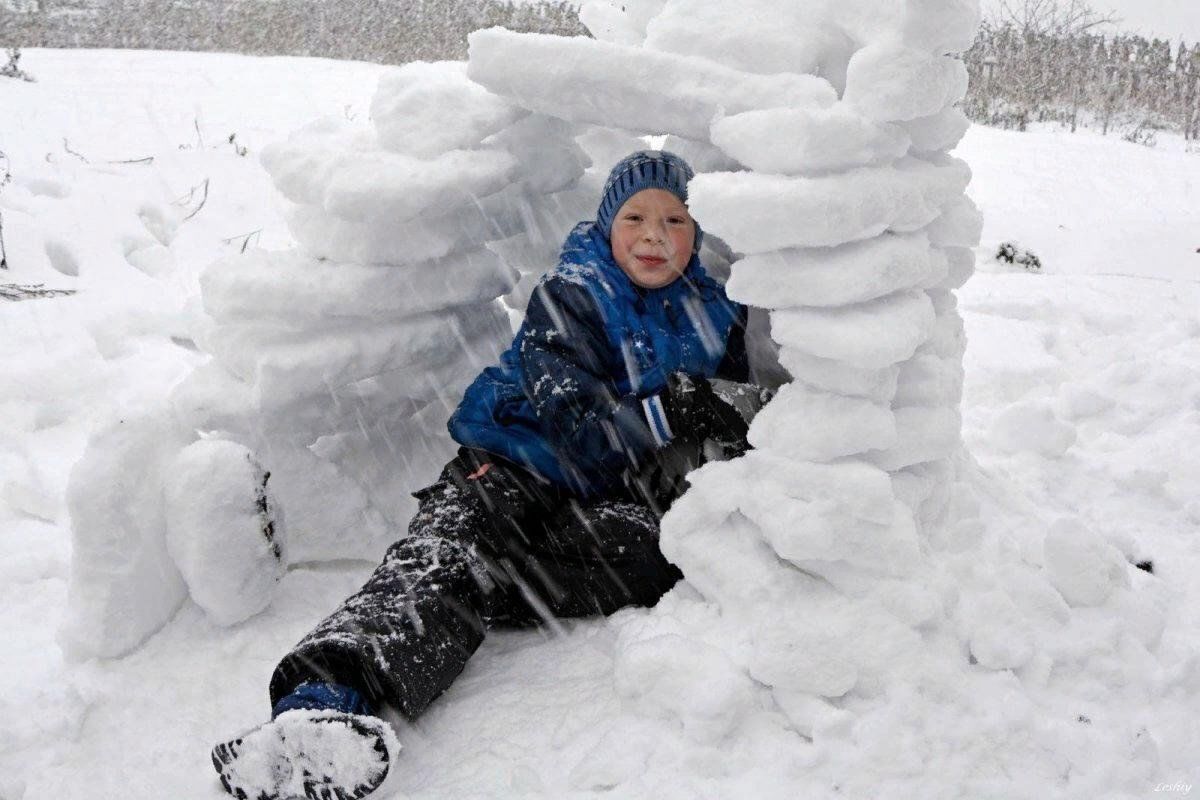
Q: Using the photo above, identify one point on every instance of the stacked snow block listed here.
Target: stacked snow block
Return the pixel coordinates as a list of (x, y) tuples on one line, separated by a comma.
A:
[(840, 582), (852, 228), (334, 365), (349, 353), (821, 132)]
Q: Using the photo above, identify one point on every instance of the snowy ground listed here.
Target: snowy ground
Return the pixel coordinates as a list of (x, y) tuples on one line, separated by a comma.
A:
[(1082, 399)]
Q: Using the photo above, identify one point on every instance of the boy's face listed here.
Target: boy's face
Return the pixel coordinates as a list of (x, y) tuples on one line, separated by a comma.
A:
[(652, 238)]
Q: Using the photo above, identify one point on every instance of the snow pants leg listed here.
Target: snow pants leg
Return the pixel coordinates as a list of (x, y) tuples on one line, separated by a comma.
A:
[(488, 545)]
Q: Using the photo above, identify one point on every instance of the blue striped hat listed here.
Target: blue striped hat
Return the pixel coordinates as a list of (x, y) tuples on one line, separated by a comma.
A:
[(645, 169)]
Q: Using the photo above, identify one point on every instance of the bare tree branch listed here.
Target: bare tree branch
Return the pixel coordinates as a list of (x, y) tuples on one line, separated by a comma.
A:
[(67, 147), (203, 200), (30, 291)]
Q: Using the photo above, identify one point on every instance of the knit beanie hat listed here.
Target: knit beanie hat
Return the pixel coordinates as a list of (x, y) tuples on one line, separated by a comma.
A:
[(645, 169)]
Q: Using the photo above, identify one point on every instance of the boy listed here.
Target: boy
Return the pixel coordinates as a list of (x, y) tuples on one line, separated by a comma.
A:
[(572, 448)]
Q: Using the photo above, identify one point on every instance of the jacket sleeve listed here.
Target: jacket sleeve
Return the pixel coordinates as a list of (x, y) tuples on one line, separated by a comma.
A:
[(569, 380), (735, 366)]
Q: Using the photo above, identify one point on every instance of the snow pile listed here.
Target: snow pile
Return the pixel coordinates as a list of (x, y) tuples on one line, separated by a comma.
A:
[(843, 604)]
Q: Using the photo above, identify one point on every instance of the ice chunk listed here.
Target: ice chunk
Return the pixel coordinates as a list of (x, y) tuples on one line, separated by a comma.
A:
[(591, 81), (833, 276), (224, 529), (758, 213), (877, 385), (811, 425), (804, 141), (1085, 569), (124, 585), (290, 286), (425, 109), (889, 82), (869, 335)]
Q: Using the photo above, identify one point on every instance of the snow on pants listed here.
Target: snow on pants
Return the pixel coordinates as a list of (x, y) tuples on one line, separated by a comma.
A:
[(489, 545)]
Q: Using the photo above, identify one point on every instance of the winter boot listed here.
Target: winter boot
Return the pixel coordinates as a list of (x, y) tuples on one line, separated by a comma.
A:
[(317, 754)]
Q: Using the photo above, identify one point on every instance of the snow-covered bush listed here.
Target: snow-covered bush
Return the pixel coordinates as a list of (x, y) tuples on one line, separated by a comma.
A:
[(1012, 253)]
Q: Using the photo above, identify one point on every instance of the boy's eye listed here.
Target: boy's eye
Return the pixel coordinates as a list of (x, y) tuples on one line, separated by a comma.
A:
[(677, 220), (633, 217)]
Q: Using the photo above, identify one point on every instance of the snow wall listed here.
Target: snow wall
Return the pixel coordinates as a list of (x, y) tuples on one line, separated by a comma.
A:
[(847, 621)]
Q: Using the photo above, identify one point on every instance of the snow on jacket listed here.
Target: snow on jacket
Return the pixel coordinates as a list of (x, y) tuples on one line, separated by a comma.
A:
[(577, 396)]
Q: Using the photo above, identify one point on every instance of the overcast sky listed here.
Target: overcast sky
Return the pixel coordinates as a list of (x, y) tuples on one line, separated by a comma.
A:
[(1170, 19)]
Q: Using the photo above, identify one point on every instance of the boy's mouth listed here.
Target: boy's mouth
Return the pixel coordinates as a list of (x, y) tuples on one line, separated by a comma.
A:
[(651, 261)]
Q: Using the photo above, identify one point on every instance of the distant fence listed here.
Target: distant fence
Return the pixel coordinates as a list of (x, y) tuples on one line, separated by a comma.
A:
[(382, 31), (1126, 82)]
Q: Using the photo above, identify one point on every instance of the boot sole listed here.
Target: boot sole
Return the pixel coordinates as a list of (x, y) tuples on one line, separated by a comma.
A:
[(315, 755)]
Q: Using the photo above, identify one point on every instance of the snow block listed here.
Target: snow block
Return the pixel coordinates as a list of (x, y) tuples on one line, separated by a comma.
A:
[(888, 82), (224, 530), (426, 109), (835, 276), (938, 132), (960, 266), (323, 235), (924, 433), (847, 425), (802, 141), (940, 26), (806, 511), (617, 85), (383, 187), (960, 225), (758, 213), (288, 363), (868, 335), (877, 385), (123, 585), (929, 380), (768, 38), (289, 286)]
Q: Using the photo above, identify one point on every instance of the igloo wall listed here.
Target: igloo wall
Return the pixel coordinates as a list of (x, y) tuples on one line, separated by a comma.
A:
[(848, 620)]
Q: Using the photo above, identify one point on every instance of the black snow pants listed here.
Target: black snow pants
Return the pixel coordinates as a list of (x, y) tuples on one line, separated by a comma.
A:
[(489, 545)]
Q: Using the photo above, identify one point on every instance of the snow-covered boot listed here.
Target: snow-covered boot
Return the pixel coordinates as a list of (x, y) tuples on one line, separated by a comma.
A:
[(321, 755)]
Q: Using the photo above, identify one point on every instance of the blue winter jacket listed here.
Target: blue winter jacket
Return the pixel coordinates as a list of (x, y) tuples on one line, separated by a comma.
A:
[(576, 397)]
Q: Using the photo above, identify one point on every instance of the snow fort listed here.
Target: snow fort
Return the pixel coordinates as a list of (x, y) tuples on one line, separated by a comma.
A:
[(848, 624)]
